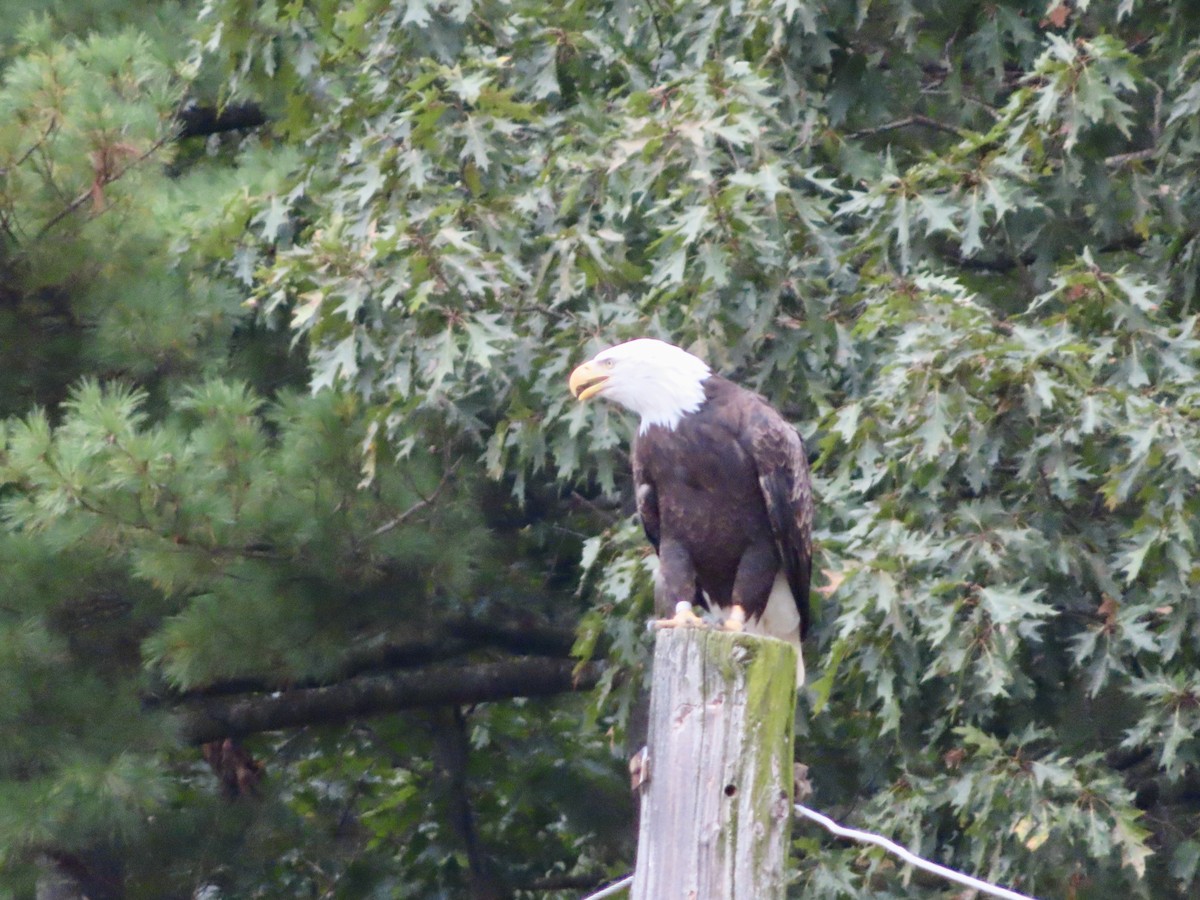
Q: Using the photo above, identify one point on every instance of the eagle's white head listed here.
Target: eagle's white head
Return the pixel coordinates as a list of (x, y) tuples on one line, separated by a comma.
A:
[(658, 381)]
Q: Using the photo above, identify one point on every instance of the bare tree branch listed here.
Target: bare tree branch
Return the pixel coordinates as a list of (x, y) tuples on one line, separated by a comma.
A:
[(419, 505), (201, 121), (582, 882), (1135, 156), (906, 122), (33, 148), (449, 639), (373, 695)]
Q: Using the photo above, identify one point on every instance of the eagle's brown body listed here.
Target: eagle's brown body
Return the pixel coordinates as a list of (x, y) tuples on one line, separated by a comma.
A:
[(725, 498)]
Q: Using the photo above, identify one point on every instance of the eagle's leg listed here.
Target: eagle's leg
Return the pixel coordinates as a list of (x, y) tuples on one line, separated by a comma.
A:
[(676, 578), (755, 575), (684, 618)]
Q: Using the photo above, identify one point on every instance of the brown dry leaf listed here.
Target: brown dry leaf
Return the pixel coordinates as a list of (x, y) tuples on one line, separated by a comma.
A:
[(1056, 16), (1107, 610), (834, 581)]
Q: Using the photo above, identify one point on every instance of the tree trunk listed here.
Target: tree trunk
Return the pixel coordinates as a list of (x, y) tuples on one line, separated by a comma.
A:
[(79, 876), (452, 750), (716, 806)]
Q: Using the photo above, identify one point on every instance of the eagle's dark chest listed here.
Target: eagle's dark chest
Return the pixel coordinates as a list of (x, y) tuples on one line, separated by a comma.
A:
[(707, 490), (700, 457)]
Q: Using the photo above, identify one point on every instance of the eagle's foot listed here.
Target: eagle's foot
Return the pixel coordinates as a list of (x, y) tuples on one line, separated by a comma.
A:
[(736, 620), (684, 618)]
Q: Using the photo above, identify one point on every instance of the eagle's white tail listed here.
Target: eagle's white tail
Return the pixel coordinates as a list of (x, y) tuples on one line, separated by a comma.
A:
[(781, 619)]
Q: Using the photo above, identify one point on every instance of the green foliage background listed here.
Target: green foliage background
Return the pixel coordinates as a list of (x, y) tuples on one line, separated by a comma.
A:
[(282, 397)]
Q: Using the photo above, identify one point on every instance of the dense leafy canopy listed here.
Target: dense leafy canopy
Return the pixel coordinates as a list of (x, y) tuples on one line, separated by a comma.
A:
[(289, 426)]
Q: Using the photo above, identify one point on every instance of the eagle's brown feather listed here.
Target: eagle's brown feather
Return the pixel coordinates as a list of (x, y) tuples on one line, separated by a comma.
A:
[(725, 498)]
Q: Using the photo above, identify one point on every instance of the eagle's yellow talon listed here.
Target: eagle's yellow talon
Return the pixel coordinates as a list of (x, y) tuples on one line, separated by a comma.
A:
[(736, 620), (684, 618)]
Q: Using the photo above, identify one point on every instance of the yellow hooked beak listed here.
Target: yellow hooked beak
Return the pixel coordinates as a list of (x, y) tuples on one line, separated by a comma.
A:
[(588, 380)]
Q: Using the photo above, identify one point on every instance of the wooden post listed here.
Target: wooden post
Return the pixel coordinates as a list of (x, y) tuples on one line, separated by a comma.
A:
[(717, 784)]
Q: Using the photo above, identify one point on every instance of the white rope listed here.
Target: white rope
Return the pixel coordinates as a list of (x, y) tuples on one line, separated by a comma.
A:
[(911, 858), (615, 888)]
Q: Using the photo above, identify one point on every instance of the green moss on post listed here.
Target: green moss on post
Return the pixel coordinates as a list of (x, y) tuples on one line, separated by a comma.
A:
[(717, 804)]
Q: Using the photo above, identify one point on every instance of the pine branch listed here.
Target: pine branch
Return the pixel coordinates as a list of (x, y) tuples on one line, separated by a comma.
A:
[(373, 695), (102, 181), (194, 121)]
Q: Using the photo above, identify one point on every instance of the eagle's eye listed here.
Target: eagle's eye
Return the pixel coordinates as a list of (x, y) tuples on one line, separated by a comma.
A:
[(609, 363)]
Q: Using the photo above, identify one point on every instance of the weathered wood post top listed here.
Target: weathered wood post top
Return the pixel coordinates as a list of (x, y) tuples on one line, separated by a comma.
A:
[(717, 792)]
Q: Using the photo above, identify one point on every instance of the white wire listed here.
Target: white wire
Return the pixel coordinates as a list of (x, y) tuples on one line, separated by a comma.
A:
[(865, 837), (911, 858), (614, 888)]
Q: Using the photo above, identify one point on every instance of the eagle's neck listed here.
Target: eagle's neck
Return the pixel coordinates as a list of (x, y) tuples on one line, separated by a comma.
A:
[(669, 401)]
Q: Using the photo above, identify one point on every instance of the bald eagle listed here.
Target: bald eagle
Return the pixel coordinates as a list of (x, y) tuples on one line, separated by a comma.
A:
[(722, 488)]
